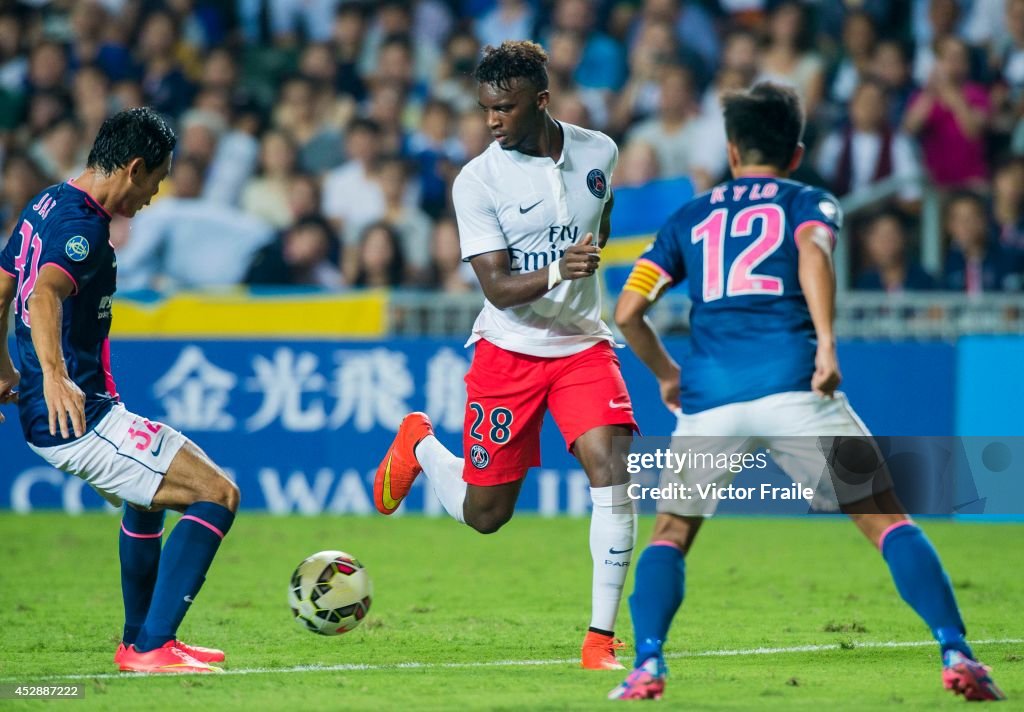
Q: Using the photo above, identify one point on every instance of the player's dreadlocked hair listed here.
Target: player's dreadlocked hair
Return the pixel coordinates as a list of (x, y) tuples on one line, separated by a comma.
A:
[(765, 123), (514, 59)]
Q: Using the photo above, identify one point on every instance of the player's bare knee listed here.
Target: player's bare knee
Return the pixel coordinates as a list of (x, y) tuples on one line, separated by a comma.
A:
[(488, 522), (226, 493)]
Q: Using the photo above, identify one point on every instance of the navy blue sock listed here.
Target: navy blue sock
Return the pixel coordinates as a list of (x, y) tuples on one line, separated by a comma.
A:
[(924, 585), (657, 594), (139, 548), (183, 565)]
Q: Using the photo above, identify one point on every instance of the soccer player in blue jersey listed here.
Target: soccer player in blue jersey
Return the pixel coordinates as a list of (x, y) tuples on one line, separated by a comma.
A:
[(757, 251), (59, 271)]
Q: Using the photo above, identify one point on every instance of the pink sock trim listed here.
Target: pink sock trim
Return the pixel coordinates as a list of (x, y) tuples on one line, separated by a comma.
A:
[(209, 526), (891, 527), (133, 535), (666, 542)]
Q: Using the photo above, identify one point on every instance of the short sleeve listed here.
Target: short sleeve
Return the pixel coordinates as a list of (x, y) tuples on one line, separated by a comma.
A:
[(75, 247), (8, 253), (816, 206), (479, 230), (666, 253)]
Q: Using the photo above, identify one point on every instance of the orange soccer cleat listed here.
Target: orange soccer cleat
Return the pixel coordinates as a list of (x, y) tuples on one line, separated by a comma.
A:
[(169, 658), (203, 655), (399, 469), (599, 652)]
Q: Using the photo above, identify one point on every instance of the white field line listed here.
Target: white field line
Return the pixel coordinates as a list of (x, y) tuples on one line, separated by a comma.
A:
[(355, 667)]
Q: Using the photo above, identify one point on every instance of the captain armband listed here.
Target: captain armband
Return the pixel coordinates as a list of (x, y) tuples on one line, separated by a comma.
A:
[(647, 279)]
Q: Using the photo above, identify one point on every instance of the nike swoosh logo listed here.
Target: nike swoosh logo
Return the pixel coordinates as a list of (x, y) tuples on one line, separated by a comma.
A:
[(624, 551), (524, 211), (188, 599), (385, 494), (613, 404), (158, 448)]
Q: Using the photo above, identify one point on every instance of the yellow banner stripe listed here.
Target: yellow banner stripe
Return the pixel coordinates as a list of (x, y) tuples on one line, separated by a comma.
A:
[(624, 250), (238, 314)]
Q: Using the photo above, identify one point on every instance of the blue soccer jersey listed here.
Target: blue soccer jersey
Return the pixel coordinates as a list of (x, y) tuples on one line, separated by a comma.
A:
[(64, 227), (751, 330)]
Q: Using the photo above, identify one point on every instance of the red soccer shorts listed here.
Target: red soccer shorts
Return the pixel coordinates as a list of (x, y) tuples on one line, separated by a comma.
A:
[(507, 394)]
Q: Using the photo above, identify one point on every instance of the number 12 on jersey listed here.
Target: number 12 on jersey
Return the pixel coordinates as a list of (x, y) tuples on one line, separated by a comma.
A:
[(741, 279)]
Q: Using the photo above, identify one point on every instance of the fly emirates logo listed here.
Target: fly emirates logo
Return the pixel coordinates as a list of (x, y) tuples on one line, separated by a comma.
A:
[(560, 238)]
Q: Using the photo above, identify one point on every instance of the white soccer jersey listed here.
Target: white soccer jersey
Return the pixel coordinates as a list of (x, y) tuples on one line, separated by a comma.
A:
[(535, 209)]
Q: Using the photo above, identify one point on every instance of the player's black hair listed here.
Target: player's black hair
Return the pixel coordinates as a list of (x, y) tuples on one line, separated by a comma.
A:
[(514, 59), (765, 123), (129, 134)]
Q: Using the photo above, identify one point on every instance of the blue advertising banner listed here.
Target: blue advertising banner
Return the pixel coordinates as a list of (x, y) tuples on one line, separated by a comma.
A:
[(301, 425)]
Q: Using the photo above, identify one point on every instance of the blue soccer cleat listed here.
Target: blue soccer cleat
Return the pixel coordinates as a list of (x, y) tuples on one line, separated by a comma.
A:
[(968, 677), (646, 682)]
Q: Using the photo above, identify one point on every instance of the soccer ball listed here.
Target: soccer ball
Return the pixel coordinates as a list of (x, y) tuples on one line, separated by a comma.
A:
[(330, 593)]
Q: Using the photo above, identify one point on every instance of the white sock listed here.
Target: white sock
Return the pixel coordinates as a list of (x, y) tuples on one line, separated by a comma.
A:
[(444, 471), (612, 538)]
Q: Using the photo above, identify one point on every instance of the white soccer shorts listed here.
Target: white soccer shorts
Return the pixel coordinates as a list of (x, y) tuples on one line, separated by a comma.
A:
[(124, 458), (795, 427)]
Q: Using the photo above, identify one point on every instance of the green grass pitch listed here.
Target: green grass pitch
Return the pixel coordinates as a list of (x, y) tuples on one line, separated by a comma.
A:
[(462, 621)]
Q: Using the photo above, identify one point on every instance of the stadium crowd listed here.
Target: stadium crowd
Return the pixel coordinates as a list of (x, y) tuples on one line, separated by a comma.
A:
[(318, 139)]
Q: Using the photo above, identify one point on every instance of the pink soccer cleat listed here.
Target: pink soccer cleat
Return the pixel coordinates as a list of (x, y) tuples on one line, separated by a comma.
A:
[(968, 678), (647, 682)]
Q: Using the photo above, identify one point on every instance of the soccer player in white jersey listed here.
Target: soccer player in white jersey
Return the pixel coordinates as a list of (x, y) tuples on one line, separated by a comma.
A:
[(528, 210), (757, 251)]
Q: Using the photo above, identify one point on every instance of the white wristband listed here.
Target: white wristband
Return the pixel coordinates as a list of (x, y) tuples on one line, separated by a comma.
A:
[(554, 275)]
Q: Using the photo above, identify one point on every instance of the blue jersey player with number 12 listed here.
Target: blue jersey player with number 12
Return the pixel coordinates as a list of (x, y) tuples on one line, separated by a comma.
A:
[(757, 251), (59, 271)]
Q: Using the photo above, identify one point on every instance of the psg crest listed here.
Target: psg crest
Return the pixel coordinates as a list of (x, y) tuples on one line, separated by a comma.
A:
[(597, 183), (479, 457)]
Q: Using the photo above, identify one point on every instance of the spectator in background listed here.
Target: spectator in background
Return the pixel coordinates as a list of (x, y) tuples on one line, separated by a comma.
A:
[(47, 66), (1007, 61), (454, 83), (305, 254), (185, 242), (448, 273), (266, 194), (890, 64), (91, 98), (473, 135), (789, 56), (348, 33), (166, 87), (394, 18), (602, 63), (410, 224), (350, 198), (859, 36), (89, 21), (13, 56), (319, 143), (655, 50), (59, 151), (949, 117), (21, 180), (943, 20), (638, 164), (304, 196), (868, 149), (672, 132), (509, 20), (740, 62), (386, 106), (289, 20), (380, 262), (317, 63), (888, 267), (975, 263), (1008, 205), (434, 149), (692, 31)]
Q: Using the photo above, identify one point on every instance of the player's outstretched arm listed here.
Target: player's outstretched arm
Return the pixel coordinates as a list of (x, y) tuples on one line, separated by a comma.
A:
[(630, 316), (817, 280), (9, 376), (64, 399), (504, 289)]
